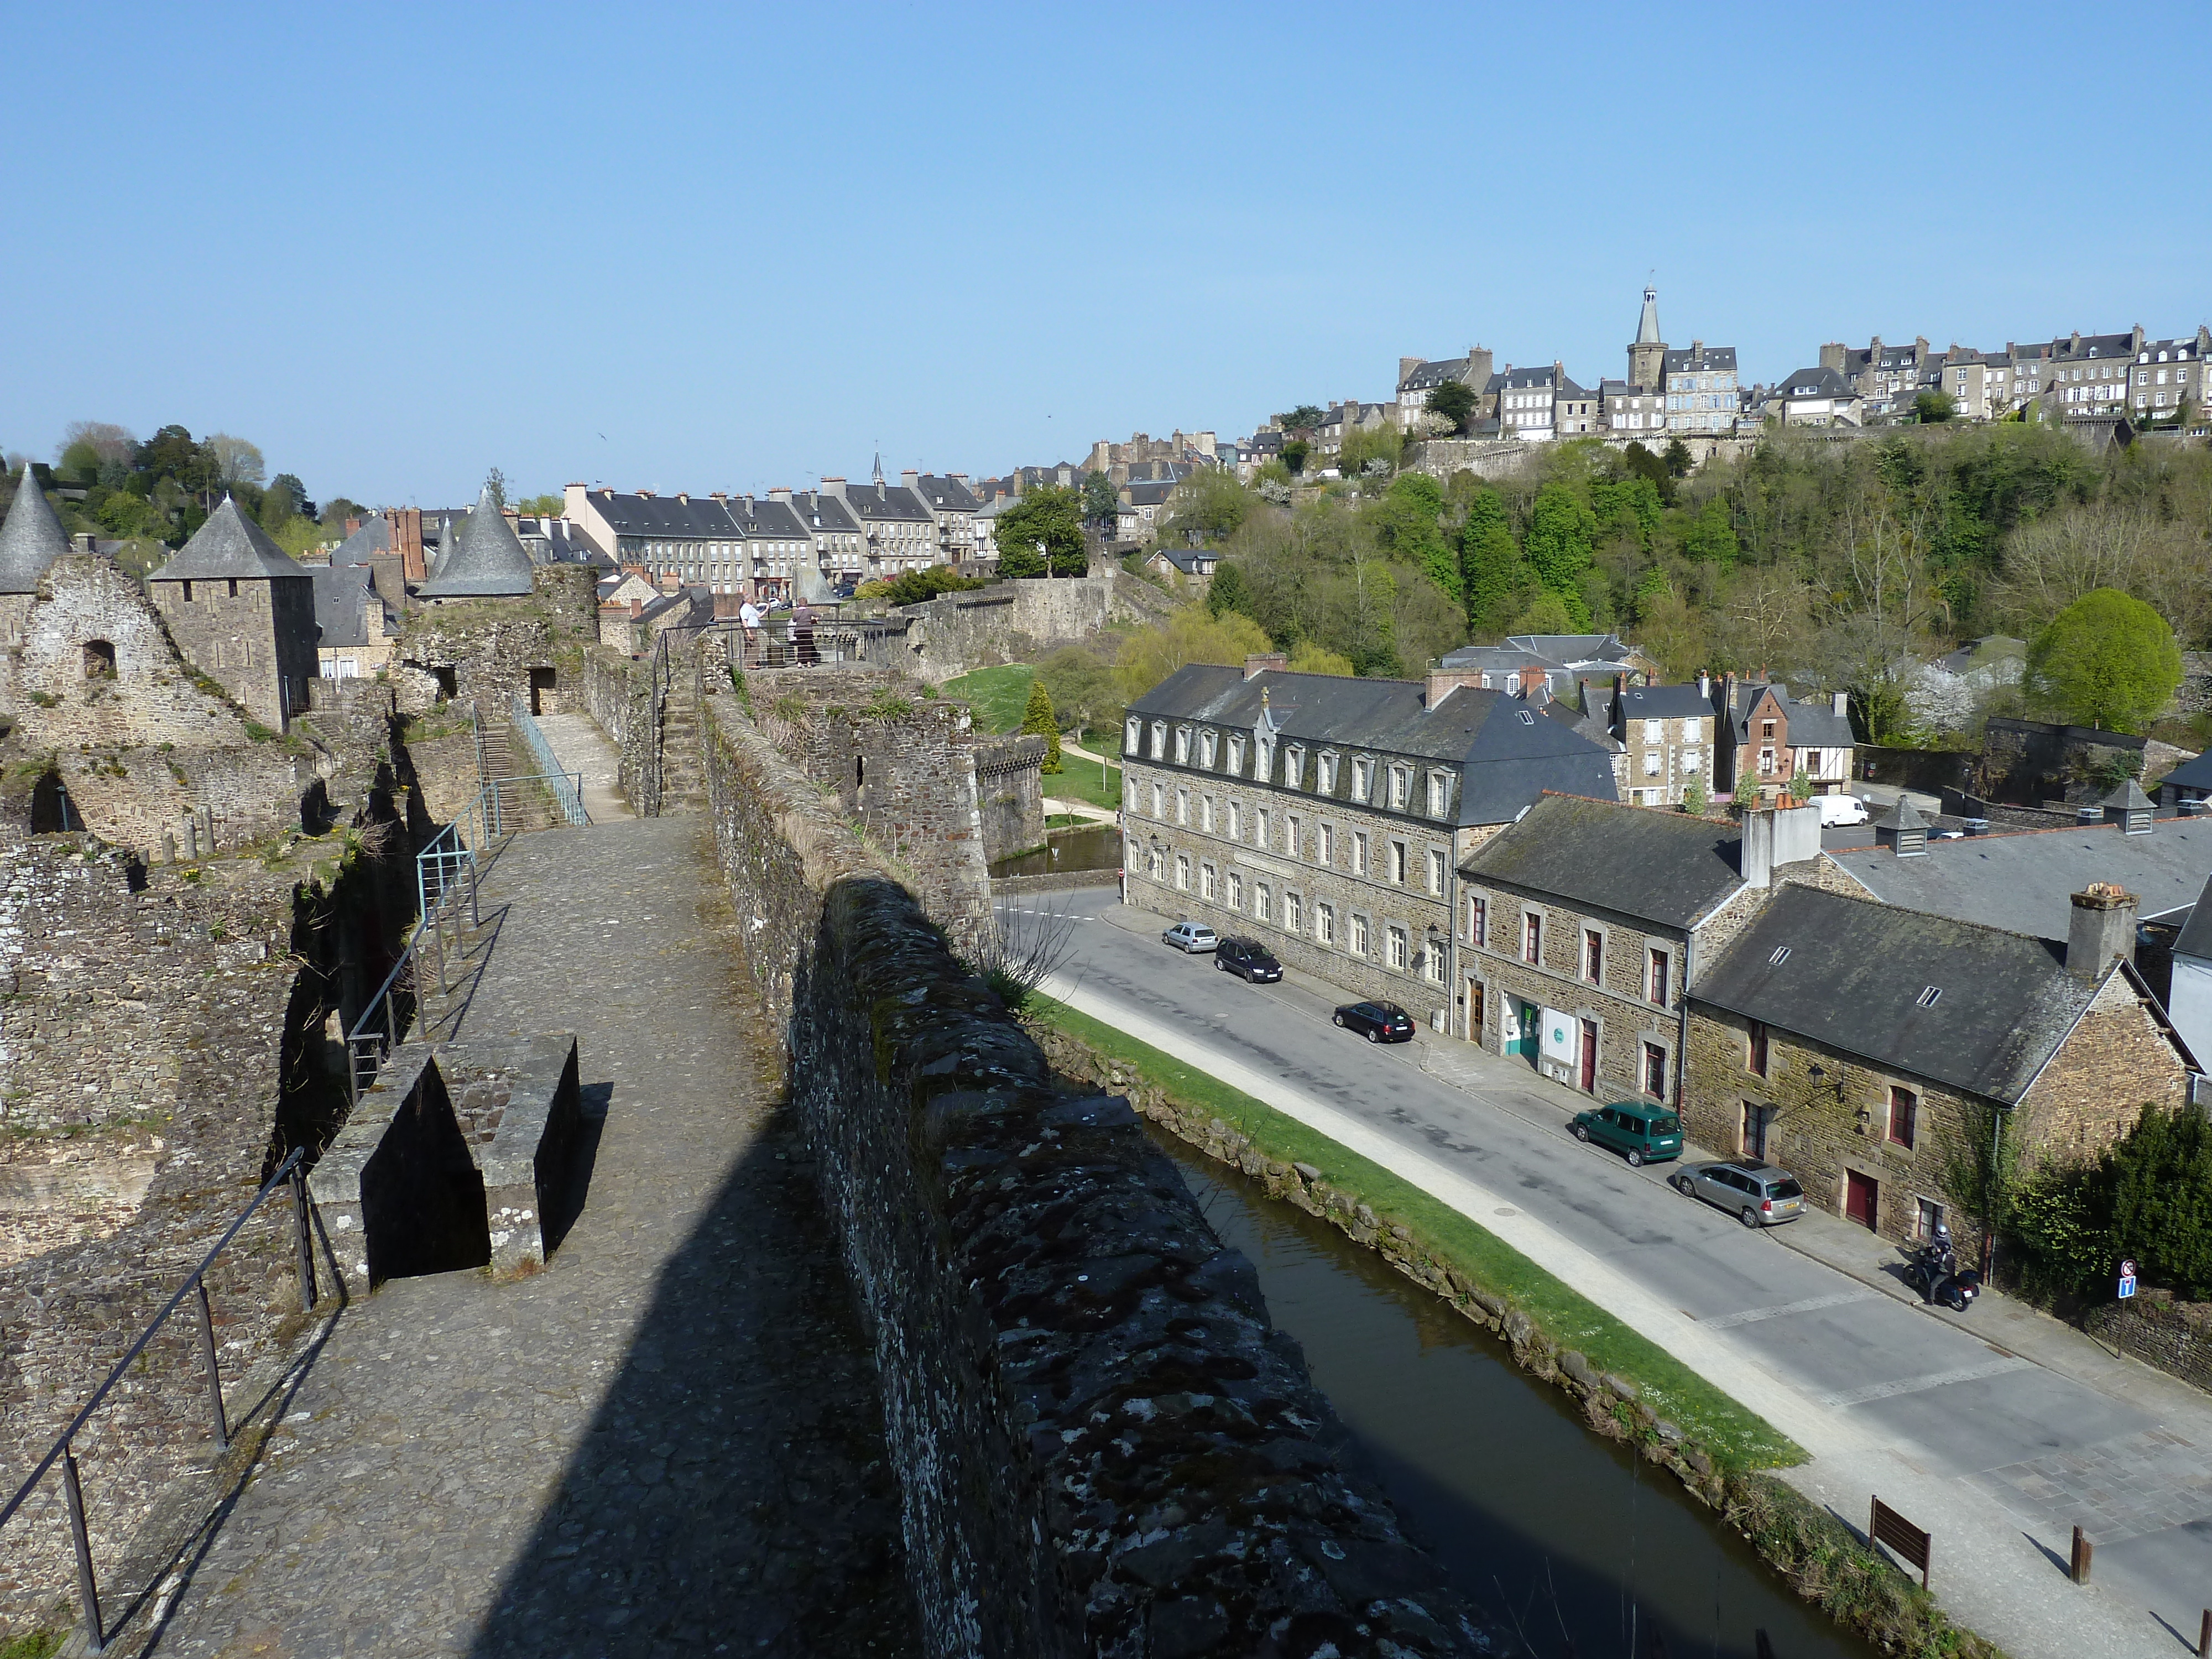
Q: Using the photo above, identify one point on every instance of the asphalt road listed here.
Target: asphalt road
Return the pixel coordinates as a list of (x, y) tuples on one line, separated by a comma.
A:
[(1954, 1402)]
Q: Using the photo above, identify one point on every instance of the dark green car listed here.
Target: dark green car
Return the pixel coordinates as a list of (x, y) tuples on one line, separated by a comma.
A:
[(1641, 1134)]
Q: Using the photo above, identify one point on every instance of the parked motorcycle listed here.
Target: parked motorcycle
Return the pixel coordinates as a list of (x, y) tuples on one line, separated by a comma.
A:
[(1934, 1271)]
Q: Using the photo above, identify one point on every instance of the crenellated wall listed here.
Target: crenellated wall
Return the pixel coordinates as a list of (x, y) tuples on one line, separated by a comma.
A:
[(1103, 1444)]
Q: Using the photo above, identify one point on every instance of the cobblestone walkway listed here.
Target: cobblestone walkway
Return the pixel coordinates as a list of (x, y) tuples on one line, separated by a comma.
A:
[(669, 1441), (579, 744)]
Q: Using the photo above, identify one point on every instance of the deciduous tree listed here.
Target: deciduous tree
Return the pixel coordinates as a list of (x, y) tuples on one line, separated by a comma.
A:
[(1562, 531), (2107, 661), (1042, 535)]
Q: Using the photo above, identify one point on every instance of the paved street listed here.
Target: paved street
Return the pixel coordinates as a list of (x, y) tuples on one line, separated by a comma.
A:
[(2040, 1421)]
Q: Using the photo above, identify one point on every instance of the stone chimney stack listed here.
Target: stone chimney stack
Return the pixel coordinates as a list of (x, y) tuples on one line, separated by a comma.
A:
[(1831, 356), (1256, 666), (2103, 927), (1406, 366), (1443, 682)]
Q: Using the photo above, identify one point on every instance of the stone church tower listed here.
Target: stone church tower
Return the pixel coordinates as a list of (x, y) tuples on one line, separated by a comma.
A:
[(242, 612), (1647, 358)]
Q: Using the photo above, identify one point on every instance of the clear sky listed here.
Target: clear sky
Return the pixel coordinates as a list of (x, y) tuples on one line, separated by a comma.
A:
[(736, 247)]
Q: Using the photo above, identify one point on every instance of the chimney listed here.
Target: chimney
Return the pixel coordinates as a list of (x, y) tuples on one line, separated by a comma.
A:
[(1705, 685), (352, 525), (1443, 682), (1831, 356), (636, 609), (719, 495), (779, 493), (1841, 702), (1902, 830), (1256, 667), (82, 541), (2103, 927), (910, 478), (1406, 366), (1774, 836)]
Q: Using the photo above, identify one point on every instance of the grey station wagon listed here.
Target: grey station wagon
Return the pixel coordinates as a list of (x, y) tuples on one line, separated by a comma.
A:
[(1760, 1195)]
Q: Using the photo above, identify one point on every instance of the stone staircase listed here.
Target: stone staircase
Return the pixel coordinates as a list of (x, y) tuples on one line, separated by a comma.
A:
[(683, 779), (522, 806)]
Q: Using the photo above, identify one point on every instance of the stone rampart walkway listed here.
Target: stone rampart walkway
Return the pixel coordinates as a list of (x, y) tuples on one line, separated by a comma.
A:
[(669, 1441)]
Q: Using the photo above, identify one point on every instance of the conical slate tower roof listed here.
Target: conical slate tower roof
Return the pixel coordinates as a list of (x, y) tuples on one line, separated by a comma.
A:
[(483, 558), (1647, 326), (228, 544), (1902, 815), (32, 538)]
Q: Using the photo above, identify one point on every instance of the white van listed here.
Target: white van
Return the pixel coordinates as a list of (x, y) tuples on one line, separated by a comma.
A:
[(1838, 812)]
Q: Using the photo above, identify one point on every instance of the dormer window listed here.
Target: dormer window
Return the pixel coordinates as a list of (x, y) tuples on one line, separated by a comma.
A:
[(1363, 778), (1237, 756), (1159, 739), (1294, 767), (1263, 769), (1327, 772), (1183, 746), (1401, 787), (1132, 740), (1439, 794), (1205, 746)]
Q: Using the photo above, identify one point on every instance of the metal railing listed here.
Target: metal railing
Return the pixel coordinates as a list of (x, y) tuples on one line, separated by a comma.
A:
[(566, 788), (292, 1171)]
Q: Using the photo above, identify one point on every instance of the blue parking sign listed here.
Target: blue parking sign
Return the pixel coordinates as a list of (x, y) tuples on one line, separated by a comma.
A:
[(2127, 1279)]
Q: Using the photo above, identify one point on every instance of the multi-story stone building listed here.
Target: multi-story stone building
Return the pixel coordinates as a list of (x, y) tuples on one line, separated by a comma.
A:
[(952, 506), (1417, 377), (242, 612), (840, 544), (1631, 411), (1524, 398), (2169, 374), (1328, 816), (1700, 388), (2087, 374), (1574, 412), (897, 532), (1879, 1052), (734, 545), (1647, 353), (1660, 736), (1581, 926), (1887, 377), (1819, 396)]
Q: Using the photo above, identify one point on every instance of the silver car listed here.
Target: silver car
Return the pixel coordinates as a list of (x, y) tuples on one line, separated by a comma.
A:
[(1190, 937), (1759, 1194)]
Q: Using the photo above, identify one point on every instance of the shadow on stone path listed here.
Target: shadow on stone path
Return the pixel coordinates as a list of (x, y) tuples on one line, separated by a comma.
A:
[(670, 1440)]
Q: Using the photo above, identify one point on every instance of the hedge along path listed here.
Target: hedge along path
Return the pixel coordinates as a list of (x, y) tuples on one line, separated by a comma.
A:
[(1556, 1332), (1576, 1302)]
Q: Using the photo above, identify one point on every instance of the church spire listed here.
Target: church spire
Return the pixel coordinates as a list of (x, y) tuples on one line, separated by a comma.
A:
[(879, 469), (1647, 326)]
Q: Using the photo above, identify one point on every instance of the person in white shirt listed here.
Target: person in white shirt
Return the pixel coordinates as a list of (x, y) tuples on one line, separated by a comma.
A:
[(749, 616)]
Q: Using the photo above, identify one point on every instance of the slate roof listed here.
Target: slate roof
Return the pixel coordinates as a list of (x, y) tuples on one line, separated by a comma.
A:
[(31, 539), (891, 502), (1428, 376), (1816, 382), (343, 595), (818, 510), (1649, 866), (229, 545), (1573, 647), (2021, 882), (374, 536), (1520, 379), (485, 559), (1812, 725), (1191, 561), (1857, 971), (1698, 360), (1148, 492), (1501, 660), (2193, 773), (1662, 703), (947, 495), (1506, 757), (2196, 938), (699, 518)]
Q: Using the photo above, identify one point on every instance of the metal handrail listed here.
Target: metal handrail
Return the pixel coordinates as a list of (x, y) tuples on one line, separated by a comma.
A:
[(566, 788), (293, 1170)]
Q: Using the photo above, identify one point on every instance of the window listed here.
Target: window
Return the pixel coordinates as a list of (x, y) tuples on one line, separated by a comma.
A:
[(1651, 762), (1236, 755), (1206, 814), (187, 586), (1928, 995), (1160, 800), (1325, 923), (1766, 763), (1205, 750), (1752, 1136), (1261, 906), (1182, 871), (1362, 778), (1593, 955), (1439, 794), (1904, 1115), (1206, 880), (1755, 1059), (1159, 739), (1294, 913), (1436, 870), (1294, 768), (1264, 767), (98, 659), (1654, 978), (1182, 806), (1692, 763), (1183, 746), (1432, 960), (1654, 731), (1532, 937), (1293, 844), (1259, 827), (1236, 822), (1398, 949), (1328, 843), (1358, 853), (1398, 862), (1328, 772), (1401, 787), (1655, 1070), (1927, 1217), (1766, 730), (1359, 940)]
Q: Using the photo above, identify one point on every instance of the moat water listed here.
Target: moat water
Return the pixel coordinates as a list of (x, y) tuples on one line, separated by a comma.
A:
[(1580, 1548), (1089, 847)]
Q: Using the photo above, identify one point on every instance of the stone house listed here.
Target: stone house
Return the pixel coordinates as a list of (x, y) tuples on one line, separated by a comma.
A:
[(953, 506), (1189, 567), (1524, 398), (2168, 374), (1814, 397), (1416, 378), (1328, 816), (1581, 926), (1575, 411), (1661, 735), (898, 534), (357, 632), (1769, 736), (1881, 1053), (242, 610), (1631, 411), (1513, 669), (1700, 388), (1886, 377), (839, 542)]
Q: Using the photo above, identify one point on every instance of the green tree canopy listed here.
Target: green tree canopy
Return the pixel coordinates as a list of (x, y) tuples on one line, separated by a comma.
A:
[(1042, 535), (1933, 408), (1229, 591), (1710, 537), (1303, 418), (1083, 688), (1038, 722), (1453, 401), (1294, 455), (1676, 458), (1307, 658), (1210, 503), (2107, 661), (1562, 532), (1408, 525), (1490, 570), (1100, 499)]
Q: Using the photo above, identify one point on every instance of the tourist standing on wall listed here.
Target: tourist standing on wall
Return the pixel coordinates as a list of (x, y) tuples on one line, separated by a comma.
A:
[(802, 633), (749, 617)]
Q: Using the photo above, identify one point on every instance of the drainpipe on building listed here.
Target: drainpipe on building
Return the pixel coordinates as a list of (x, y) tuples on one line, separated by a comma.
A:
[(1453, 989), (1682, 1025)]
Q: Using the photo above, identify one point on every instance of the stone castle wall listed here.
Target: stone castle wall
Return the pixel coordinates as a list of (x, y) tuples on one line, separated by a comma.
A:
[(1009, 795), (1102, 1445), (1018, 622), (255, 639), (489, 646)]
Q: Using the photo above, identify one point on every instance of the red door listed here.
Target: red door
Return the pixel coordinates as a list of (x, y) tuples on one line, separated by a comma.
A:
[(1589, 1057), (1861, 1194)]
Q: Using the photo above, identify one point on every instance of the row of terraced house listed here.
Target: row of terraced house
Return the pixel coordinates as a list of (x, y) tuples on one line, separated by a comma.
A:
[(1865, 1017)]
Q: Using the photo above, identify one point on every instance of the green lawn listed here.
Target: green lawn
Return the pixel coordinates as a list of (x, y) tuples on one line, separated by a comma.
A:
[(1736, 1438), (1078, 780), (999, 696)]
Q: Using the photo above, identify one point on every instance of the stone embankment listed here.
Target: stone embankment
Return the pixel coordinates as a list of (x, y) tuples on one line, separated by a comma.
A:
[(1103, 1444)]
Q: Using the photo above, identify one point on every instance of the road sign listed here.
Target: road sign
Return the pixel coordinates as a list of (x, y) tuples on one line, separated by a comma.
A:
[(2127, 1278)]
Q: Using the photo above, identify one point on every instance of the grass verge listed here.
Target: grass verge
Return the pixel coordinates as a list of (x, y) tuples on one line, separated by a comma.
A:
[(999, 696), (1736, 1438), (1085, 781)]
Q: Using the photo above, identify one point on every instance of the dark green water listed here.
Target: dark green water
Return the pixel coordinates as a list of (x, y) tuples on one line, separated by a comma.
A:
[(1584, 1550), (1091, 847)]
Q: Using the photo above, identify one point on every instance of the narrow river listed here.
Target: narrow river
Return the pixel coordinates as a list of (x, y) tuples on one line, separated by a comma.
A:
[(1583, 1550)]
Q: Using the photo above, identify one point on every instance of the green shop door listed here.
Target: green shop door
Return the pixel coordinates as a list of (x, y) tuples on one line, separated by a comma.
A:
[(1532, 1031)]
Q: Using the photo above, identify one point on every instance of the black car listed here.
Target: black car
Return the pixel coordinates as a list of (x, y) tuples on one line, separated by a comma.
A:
[(1249, 957), (1378, 1021)]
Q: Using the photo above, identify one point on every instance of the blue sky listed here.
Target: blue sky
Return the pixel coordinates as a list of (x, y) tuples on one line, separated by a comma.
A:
[(733, 248)]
